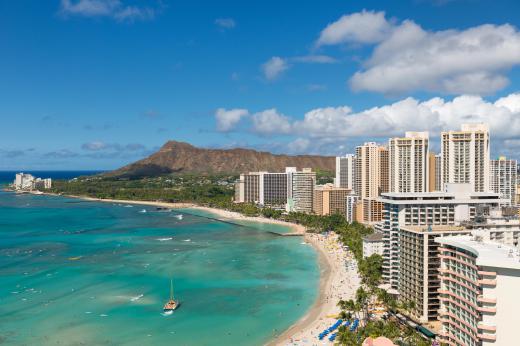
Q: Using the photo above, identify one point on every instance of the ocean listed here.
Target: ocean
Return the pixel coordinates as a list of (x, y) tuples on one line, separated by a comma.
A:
[(74, 272)]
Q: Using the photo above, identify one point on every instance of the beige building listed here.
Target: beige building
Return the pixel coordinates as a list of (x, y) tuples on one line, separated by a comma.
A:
[(371, 179), (434, 172), (465, 156), (409, 162), (373, 244), (329, 200), (478, 292)]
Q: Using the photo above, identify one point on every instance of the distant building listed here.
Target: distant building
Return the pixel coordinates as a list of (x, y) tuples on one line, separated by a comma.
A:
[(350, 207), (24, 181), (291, 190), (373, 244), (478, 291), (371, 179), (329, 200), (345, 171), (465, 156), (300, 189), (504, 177), (409, 162), (434, 175)]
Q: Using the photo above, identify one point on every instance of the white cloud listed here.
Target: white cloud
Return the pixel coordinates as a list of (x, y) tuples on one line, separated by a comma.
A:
[(106, 8), (228, 119), (469, 61), (94, 146), (225, 23), (434, 115), (270, 121), (318, 59), (361, 27), (299, 145), (274, 67)]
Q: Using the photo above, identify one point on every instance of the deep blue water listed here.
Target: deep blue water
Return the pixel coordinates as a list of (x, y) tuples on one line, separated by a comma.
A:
[(8, 176)]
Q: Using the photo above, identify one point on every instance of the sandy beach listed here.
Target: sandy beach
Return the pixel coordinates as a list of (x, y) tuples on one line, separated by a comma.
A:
[(339, 280)]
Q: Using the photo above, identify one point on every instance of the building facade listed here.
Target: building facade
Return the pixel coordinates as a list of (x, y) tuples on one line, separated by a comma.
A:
[(300, 189), (465, 156), (329, 200), (503, 175), (345, 171), (409, 162), (451, 207), (371, 179), (479, 283), (373, 245)]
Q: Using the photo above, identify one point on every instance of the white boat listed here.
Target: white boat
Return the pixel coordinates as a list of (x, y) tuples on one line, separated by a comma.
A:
[(172, 304)]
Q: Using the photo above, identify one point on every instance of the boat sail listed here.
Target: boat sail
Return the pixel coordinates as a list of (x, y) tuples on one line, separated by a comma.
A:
[(172, 304)]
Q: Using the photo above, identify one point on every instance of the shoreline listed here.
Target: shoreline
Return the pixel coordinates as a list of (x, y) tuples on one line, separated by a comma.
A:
[(332, 261)]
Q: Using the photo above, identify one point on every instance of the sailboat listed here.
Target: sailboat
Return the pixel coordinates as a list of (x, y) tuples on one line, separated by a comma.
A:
[(172, 304)]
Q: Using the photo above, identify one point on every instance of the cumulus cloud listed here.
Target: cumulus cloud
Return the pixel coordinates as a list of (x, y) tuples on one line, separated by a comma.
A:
[(225, 23), (106, 8), (271, 121), (228, 119), (362, 27), (97, 146), (409, 114), (274, 67), (299, 145), (408, 58)]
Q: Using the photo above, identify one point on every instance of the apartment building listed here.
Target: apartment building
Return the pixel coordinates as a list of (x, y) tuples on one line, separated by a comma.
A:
[(478, 291), (456, 204), (409, 162), (329, 200), (371, 179), (465, 156), (503, 175), (247, 188), (434, 175), (345, 171), (300, 189)]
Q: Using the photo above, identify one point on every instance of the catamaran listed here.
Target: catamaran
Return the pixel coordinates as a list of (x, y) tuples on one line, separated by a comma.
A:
[(172, 304)]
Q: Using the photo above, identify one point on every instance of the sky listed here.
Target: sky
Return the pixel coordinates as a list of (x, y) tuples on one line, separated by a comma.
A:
[(97, 84)]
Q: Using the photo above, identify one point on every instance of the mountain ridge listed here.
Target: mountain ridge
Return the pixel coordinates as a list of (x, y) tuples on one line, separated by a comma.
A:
[(182, 157)]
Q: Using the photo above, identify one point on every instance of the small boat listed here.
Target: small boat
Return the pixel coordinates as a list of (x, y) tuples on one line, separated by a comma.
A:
[(172, 304), (178, 217)]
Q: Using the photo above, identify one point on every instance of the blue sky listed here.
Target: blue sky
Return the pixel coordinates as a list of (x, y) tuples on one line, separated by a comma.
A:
[(96, 84)]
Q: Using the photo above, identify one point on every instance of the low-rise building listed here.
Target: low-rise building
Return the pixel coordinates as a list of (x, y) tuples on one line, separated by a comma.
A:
[(479, 283), (373, 244)]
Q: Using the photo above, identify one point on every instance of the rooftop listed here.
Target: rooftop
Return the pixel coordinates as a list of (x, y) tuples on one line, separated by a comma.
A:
[(489, 254), (374, 237), (435, 229)]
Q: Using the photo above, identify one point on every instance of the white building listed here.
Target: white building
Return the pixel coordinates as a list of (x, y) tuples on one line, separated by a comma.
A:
[(345, 171), (451, 207), (300, 189), (503, 178), (409, 162), (24, 181), (373, 244), (351, 201), (465, 156), (479, 284)]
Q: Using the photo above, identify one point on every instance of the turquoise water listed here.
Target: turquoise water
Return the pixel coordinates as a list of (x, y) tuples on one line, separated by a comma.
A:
[(85, 273)]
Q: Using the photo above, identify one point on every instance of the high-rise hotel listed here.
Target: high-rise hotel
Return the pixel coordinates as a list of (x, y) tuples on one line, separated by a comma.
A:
[(465, 156), (409, 162)]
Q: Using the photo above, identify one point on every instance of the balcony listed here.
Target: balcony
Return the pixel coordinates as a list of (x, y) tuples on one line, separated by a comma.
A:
[(487, 328), (487, 309), (487, 300), (487, 273), (487, 337), (487, 282)]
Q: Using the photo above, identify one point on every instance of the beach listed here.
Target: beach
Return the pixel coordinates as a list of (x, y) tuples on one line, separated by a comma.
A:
[(338, 281)]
